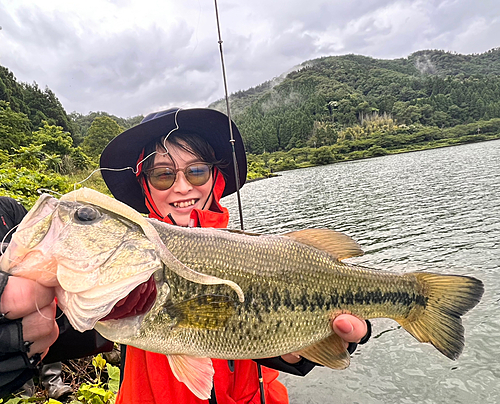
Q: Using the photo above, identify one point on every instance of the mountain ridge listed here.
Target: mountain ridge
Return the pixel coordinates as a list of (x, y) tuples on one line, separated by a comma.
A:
[(429, 87)]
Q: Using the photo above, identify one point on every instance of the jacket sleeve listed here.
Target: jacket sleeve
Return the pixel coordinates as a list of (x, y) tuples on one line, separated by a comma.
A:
[(18, 211), (15, 366), (302, 368)]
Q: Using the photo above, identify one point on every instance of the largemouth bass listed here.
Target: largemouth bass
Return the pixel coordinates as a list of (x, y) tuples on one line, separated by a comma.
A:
[(194, 293)]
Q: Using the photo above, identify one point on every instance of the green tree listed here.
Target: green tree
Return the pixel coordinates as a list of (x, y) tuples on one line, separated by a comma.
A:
[(101, 132), (15, 128), (54, 139), (44, 106), (11, 91), (79, 160), (23, 184)]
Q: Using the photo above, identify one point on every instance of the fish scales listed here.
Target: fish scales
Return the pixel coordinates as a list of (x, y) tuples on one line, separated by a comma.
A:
[(287, 306)]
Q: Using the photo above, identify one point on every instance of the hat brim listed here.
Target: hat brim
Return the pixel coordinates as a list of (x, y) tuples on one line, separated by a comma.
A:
[(123, 151)]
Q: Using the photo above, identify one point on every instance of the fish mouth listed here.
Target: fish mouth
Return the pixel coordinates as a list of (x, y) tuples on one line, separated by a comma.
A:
[(137, 302)]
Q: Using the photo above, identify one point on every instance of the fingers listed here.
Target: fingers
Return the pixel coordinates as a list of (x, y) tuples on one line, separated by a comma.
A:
[(349, 328), (41, 329), (42, 345), (22, 296)]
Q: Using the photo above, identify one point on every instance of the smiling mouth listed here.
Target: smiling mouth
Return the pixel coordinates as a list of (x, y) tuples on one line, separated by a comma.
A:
[(184, 204)]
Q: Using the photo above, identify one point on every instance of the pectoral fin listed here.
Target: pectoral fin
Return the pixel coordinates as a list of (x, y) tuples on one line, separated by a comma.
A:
[(337, 244), (330, 352), (205, 312), (196, 373)]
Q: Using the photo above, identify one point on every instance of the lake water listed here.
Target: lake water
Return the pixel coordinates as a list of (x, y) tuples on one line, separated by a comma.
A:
[(435, 210)]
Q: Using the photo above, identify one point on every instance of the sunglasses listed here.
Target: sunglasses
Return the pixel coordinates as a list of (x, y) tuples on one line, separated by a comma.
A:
[(162, 178)]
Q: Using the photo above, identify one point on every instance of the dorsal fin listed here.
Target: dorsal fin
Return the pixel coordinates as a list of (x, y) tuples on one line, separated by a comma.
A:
[(338, 244)]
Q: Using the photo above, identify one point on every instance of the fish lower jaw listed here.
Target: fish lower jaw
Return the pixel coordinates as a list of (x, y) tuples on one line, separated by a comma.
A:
[(123, 330)]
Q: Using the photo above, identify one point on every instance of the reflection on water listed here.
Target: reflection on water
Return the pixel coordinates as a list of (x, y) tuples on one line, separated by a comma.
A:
[(436, 210)]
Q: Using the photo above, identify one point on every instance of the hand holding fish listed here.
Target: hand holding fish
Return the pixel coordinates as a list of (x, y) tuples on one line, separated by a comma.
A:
[(349, 328), (34, 303)]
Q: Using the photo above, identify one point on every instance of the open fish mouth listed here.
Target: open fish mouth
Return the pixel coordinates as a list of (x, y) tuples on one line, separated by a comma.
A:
[(138, 301)]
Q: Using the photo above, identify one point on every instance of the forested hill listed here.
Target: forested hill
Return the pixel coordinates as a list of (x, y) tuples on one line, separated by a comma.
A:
[(39, 105), (314, 105)]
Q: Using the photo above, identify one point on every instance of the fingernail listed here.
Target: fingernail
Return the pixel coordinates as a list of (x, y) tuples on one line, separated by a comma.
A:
[(345, 326)]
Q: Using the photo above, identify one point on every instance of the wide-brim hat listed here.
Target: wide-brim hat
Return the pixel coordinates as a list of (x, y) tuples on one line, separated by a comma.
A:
[(123, 152)]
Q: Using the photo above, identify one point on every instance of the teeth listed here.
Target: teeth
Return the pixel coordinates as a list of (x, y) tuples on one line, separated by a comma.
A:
[(184, 204)]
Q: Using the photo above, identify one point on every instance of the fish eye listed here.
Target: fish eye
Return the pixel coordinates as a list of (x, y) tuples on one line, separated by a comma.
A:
[(86, 214)]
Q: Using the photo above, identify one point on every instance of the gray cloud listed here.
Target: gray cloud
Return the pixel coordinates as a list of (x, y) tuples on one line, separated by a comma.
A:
[(132, 62)]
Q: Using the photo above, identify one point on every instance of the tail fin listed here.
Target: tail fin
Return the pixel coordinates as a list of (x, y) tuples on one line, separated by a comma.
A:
[(447, 298)]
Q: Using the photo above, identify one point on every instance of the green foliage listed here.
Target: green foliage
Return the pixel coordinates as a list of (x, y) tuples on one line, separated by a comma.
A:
[(257, 168), (58, 153), (44, 106), (101, 132), (23, 184), (89, 178), (324, 101), (30, 157), (53, 139), (100, 392), (11, 91), (375, 137), (15, 128), (322, 156), (376, 151), (35, 104), (25, 400), (80, 160), (82, 123)]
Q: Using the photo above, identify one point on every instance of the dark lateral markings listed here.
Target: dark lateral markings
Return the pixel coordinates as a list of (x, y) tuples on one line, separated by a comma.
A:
[(267, 301)]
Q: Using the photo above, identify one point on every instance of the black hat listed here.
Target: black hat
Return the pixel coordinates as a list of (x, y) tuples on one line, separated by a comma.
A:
[(124, 150)]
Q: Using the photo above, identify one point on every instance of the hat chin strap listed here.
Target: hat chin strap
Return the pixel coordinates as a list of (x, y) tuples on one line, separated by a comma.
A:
[(150, 204), (216, 171)]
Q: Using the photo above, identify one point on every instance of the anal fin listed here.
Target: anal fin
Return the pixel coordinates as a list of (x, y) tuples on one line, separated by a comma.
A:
[(330, 352)]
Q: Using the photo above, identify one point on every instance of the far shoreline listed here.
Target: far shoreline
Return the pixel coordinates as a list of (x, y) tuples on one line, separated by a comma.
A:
[(423, 147)]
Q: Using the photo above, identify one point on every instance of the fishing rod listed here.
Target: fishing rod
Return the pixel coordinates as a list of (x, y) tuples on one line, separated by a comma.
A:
[(236, 170), (232, 141)]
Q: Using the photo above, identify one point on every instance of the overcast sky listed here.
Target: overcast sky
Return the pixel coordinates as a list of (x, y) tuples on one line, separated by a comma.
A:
[(131, 57)]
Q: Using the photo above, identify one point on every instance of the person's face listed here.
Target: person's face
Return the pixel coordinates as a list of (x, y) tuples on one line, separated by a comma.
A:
[(182, 197)]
